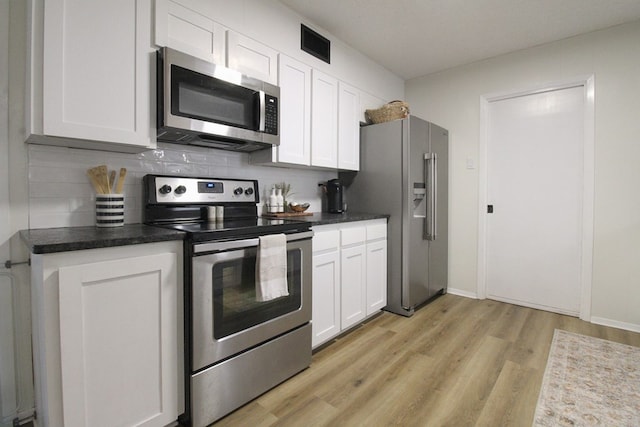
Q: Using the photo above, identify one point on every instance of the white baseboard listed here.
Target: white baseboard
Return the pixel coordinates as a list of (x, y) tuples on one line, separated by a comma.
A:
[(462, 293), (597, 320), (616, 324)]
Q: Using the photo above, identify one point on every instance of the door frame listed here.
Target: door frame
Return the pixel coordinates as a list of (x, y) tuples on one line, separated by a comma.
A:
[(586, 273)]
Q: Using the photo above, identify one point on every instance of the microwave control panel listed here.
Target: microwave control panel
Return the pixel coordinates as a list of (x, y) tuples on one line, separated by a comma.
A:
[(271, 114)]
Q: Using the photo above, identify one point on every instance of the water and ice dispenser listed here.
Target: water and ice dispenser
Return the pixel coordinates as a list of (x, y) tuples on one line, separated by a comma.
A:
[(419, 197)]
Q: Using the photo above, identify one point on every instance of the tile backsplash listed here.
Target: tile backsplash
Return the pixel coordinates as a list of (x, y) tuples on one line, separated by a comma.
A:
[(61, 195)]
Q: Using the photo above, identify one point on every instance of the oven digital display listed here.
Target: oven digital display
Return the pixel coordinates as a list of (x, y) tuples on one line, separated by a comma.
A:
[(210, 187)]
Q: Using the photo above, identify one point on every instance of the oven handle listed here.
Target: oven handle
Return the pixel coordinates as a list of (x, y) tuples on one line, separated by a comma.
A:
[(245, 243)]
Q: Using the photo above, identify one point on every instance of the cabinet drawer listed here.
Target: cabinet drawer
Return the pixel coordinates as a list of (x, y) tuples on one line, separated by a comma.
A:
[(326, 240), (377, 231), (352, 235)]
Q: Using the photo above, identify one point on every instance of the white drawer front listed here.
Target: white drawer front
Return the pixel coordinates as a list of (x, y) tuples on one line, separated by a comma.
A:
[(377, 231), (326, 240), (353, 235)]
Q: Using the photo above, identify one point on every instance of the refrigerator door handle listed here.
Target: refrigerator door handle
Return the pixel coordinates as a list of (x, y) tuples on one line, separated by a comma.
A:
[(434, 189), (431, 176)]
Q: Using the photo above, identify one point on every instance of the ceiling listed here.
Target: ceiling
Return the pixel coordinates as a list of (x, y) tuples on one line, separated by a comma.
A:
[(413, 38)]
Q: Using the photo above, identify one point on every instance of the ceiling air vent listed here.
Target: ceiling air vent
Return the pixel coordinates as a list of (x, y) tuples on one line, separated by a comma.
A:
[(314, 44)]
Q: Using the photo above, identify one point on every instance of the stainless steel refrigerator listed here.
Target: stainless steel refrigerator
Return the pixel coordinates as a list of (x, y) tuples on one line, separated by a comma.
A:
[(404, 173)]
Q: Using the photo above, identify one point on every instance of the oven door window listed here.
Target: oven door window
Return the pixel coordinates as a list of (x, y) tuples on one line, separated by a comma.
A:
[(201, 97), (235, 307)]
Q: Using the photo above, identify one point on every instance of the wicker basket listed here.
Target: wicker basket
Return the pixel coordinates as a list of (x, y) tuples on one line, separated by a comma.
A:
[(393, 110)]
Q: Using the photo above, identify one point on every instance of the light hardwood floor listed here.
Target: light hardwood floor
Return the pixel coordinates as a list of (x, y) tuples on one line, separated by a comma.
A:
[(456, 362)]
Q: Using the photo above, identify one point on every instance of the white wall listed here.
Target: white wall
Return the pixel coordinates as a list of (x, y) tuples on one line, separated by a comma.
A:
[(452, 99), (16, 382)]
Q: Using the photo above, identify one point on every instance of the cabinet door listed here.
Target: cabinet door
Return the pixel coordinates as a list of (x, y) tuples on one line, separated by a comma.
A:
[(119, 342), (376, 276), (190, 32), (326, 297), (353, 266), (295, 112), (324, 117), (348, 127), (97, 62), (252, 58)]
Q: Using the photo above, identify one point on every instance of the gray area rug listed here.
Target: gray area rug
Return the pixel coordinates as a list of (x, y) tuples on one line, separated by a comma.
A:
[(589, 382)]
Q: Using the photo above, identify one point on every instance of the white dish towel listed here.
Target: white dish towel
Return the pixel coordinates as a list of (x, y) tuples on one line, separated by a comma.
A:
[(271, 268)]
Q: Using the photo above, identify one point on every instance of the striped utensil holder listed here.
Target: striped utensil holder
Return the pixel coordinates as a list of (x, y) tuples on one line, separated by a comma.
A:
[(109, 210)]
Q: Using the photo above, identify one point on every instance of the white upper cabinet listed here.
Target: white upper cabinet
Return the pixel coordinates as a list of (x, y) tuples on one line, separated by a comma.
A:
[(324, 118), (348, 127), (294, 79), (94, 82), (295, 112), (320, 120), (189, 31), (252, 58)]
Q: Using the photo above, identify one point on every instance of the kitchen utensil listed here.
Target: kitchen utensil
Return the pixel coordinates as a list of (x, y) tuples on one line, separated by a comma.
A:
[(99, 178), (112, 180), (120, 186)]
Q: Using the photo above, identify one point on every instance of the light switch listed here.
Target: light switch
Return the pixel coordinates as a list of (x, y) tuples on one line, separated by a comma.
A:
[(470, 163)]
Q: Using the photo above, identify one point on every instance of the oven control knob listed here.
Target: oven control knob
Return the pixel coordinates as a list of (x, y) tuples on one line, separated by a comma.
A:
[(248, 191), (165, 189), (238, 191), (181, 189)]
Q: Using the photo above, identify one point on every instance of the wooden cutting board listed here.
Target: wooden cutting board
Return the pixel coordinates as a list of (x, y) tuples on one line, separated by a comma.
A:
[(286, 214)]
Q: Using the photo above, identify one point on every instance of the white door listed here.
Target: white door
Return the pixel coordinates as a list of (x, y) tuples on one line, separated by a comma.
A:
[(535, 184)]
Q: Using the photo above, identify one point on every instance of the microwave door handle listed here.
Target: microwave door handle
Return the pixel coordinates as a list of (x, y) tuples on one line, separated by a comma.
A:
[(262, 102)]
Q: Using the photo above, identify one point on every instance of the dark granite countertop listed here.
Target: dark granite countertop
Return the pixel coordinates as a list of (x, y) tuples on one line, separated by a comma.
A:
[(52, 240), (324, 218)]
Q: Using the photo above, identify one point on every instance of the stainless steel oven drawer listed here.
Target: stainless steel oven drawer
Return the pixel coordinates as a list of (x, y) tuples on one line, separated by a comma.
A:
[(220, 389)]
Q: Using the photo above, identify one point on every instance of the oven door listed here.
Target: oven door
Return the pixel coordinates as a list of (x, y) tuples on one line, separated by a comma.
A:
[(226, 317)]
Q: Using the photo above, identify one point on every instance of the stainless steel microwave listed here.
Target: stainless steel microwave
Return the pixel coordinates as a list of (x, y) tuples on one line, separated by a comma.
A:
[(201, 103)]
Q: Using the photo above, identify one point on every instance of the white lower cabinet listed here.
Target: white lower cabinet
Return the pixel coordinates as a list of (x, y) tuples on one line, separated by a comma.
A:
[(376, 267), (108, 337), (326, 296), (353, 268), (349, 275)]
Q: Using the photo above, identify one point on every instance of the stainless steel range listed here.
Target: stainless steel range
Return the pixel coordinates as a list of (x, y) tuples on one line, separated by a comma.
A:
[(237, 346)]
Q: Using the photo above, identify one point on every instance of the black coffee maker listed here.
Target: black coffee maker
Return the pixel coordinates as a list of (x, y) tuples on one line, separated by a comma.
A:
[(334, 196)]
